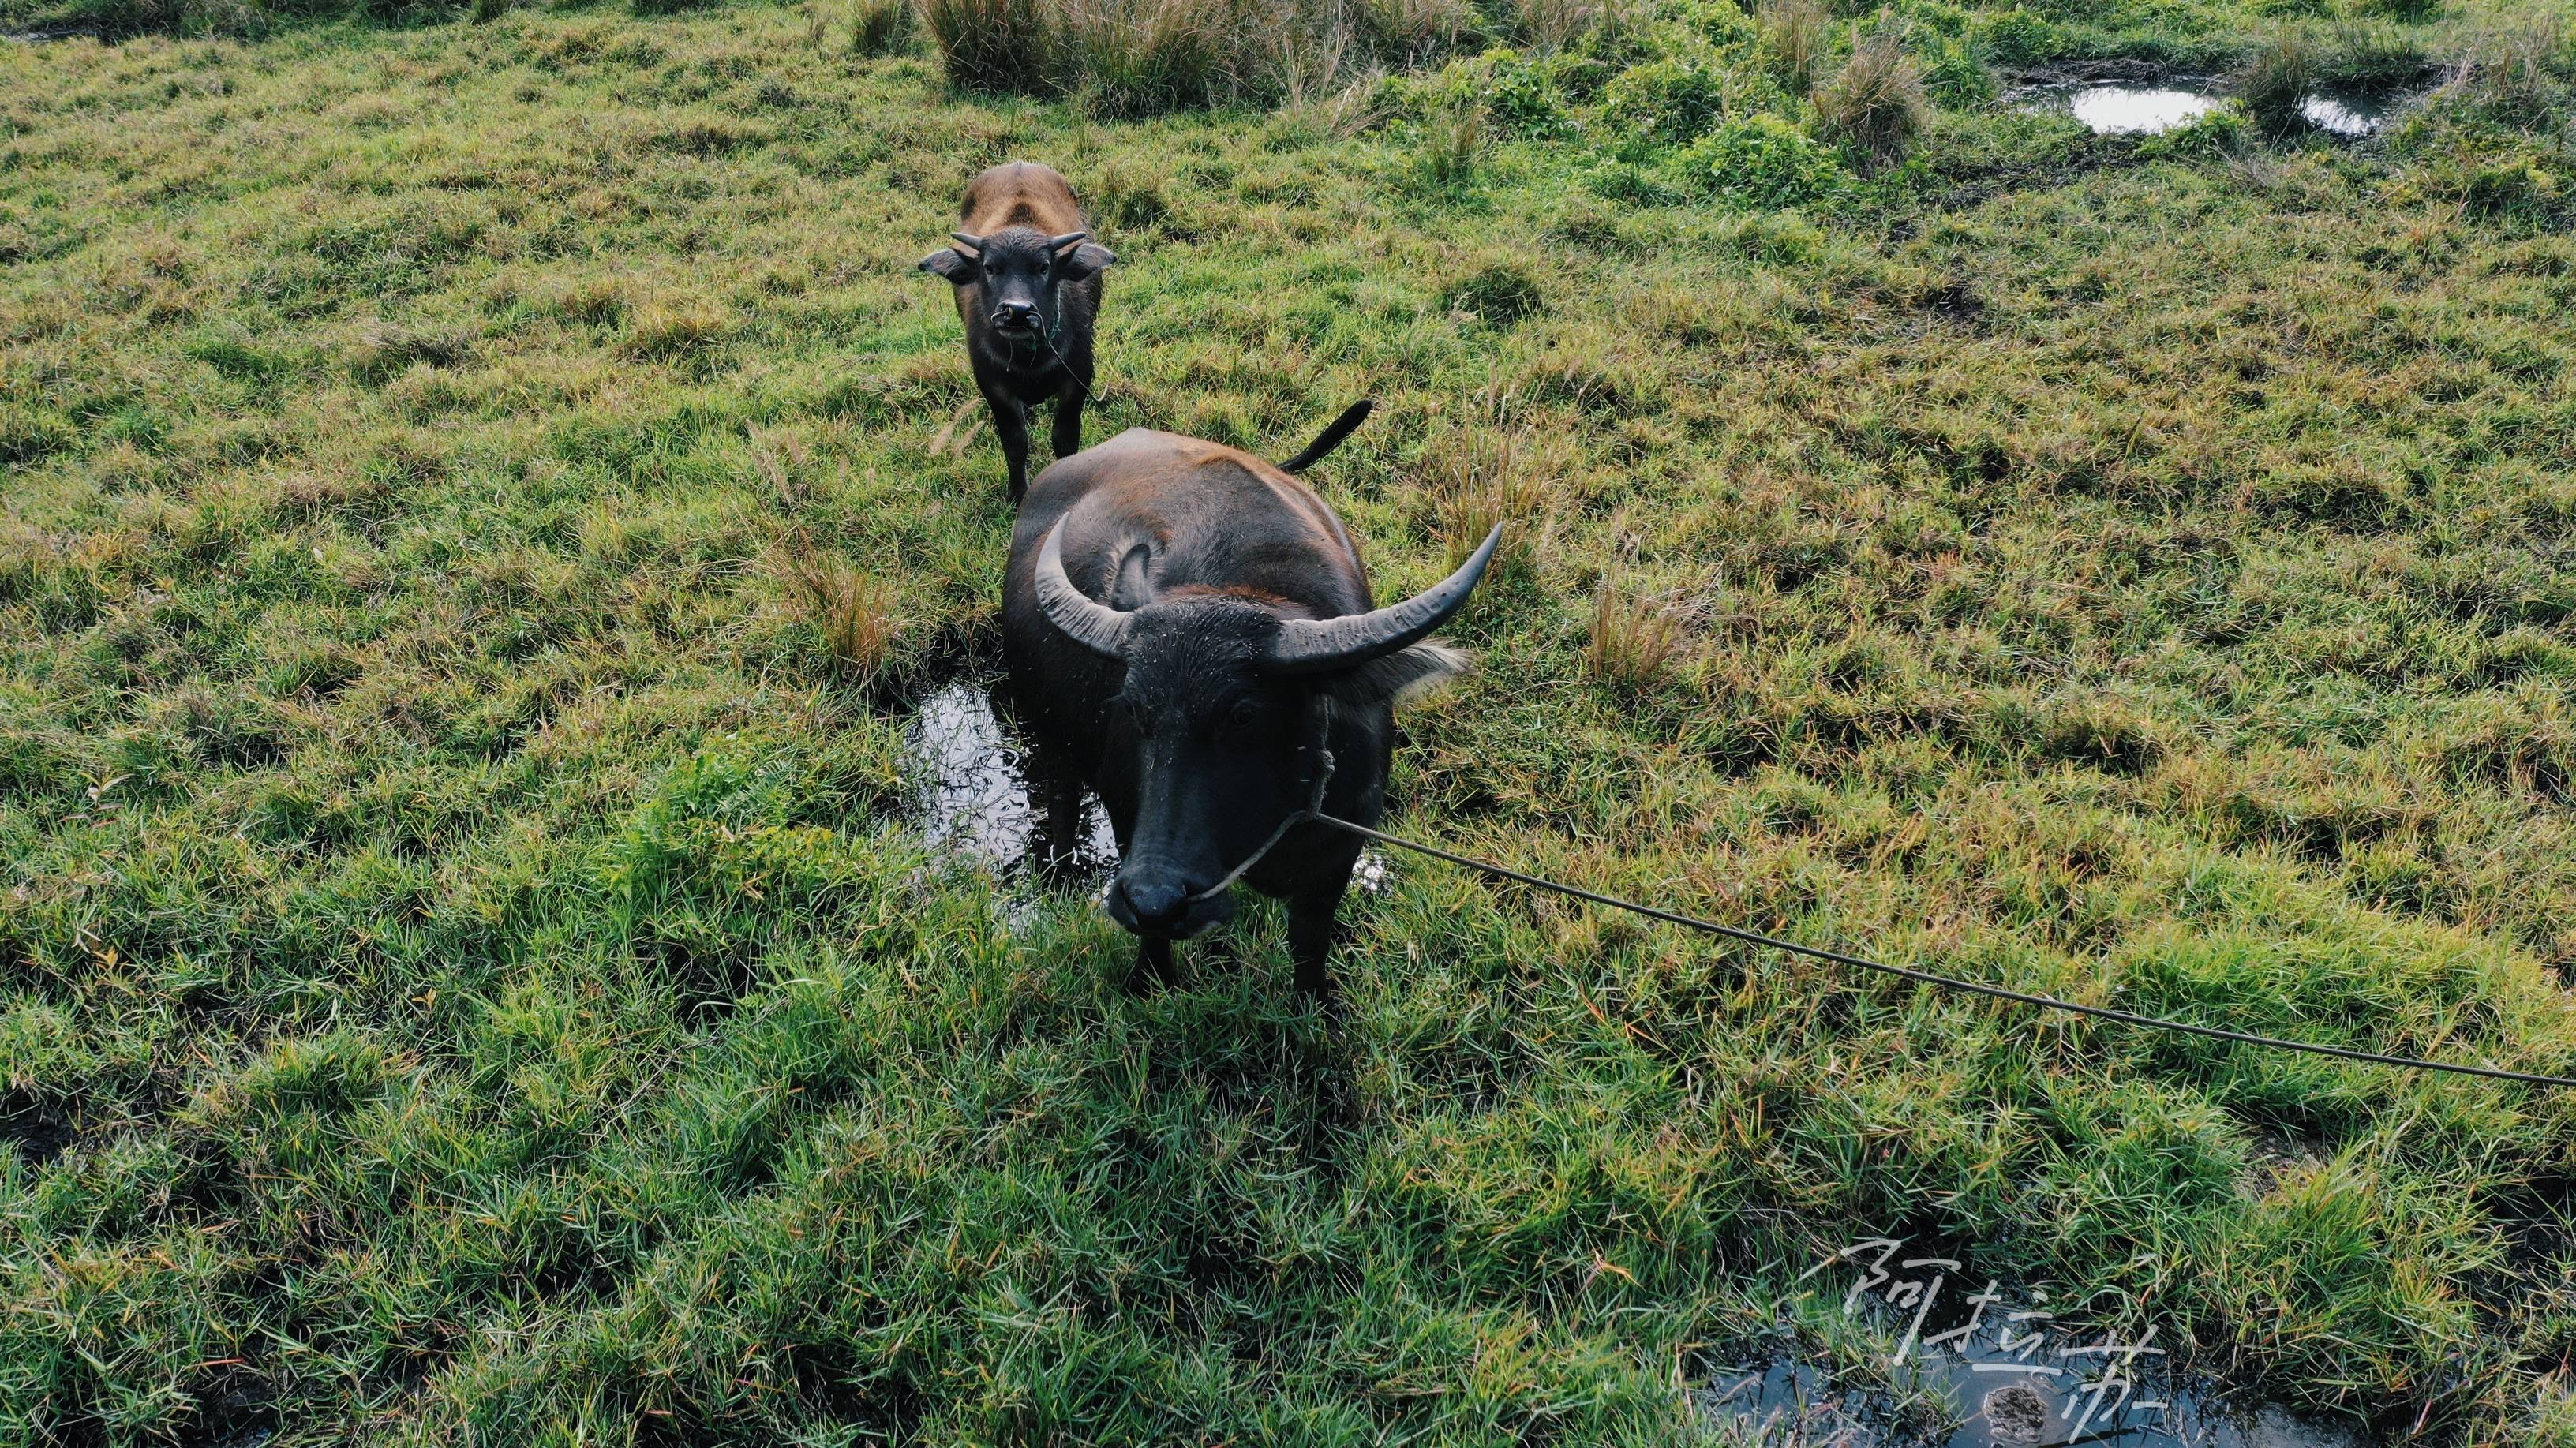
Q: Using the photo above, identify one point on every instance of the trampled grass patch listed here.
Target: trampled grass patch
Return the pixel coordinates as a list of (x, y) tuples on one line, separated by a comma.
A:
[(479, 494)]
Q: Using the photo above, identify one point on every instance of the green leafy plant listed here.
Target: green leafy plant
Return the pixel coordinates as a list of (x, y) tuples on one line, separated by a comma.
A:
[(1763, 161)]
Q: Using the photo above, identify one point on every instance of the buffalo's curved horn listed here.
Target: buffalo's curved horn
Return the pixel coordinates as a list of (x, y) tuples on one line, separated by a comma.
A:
[(1095, 626), (1314, 646), (1059, 243), (971, 244)]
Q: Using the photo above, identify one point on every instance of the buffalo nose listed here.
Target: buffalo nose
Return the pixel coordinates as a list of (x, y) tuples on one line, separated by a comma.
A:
[(1158, 901), (1015, 314)]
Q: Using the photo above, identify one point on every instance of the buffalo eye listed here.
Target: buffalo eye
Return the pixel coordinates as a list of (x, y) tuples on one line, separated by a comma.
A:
[(1243, 718)]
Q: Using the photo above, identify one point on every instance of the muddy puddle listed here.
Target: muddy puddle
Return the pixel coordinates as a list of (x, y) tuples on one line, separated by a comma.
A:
[(2145, 108), (1969, 1364), (970, 798), (970, 790)]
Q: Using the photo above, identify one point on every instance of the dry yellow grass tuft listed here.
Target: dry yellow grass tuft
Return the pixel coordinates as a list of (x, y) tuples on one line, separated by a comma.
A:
[(854, 613), (1635, 637)]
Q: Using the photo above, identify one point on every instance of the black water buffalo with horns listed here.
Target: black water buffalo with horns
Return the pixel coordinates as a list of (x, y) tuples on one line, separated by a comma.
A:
[(1027, 277), (1189, 631)]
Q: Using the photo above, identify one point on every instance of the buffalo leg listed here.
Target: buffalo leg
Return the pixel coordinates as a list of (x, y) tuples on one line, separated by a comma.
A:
[(1056, 797), (1153, 965), (1068, 417), (1011, 425)]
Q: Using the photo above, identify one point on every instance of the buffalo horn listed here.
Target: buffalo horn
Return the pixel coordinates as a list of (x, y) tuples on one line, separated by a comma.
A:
[(1095, 626), (1314, 646)]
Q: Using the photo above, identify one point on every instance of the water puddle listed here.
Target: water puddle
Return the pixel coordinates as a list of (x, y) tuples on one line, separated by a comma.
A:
[(2146, 108), (1970, 1366), (971, 797), (2115, 109), (2352, 114)]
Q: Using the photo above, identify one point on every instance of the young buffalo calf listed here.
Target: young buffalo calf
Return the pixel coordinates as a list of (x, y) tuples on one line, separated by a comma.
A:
[(1028, 286)]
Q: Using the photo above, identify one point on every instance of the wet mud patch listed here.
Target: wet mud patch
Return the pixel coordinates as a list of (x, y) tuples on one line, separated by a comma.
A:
[(39, 1130), (1962, 1361)]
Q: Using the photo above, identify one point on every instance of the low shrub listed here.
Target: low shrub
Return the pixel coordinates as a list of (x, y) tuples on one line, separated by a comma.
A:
[(2222, 130), (1521, 95), (1670, 101), (1765, 162), (1955, 71), (2018, 38)]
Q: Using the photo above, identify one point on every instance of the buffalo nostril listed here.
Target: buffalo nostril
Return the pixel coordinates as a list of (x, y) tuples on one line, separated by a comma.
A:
[(1154, 902)]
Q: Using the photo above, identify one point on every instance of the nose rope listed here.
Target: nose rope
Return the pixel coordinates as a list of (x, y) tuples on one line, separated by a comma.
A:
[(1314, 809)]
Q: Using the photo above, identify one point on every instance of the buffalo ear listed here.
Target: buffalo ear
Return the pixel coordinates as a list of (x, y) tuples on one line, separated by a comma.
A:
[(1084, 260), (1133, 589), (950, 263), (1399, 675)]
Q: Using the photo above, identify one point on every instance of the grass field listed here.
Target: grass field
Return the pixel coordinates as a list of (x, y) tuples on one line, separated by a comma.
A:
[(465, 976)]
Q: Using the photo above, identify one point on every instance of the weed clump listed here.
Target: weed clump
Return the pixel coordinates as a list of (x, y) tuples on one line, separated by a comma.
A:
[(384, 349), (1497, 295), (993, 45), (2275, 81), (680, 332), (2512, 72), (880, 27), (1793, 40), (2221, 131), (1875, 104), (2371, 55), (1141, 57), (1451, 140)]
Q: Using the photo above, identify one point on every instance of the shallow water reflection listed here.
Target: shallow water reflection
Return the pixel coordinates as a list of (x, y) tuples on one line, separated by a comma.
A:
[(971, 789), (2126, 108), (2349, 115), (970, 795)]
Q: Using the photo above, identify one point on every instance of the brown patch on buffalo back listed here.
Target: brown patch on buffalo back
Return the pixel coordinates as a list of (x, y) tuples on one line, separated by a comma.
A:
[(1019, 193), (1168, 485)]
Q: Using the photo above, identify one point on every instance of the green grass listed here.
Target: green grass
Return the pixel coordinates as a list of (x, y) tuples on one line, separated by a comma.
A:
[(464, 977)]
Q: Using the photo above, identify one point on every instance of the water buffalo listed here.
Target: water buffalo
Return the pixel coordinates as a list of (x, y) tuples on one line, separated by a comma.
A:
[(1188, 631), (1027, 277)]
